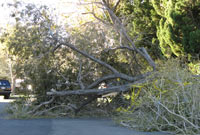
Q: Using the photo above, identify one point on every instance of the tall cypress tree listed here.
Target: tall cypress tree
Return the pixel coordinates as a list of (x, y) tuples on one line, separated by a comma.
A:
[(171, 25), (179, 28)]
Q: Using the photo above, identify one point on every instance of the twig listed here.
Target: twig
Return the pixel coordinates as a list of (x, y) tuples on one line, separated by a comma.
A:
[(180, 116), (42, 104), (58, 106)]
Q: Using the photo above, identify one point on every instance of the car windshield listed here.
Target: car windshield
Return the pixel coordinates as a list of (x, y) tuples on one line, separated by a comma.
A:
[(4, 83)]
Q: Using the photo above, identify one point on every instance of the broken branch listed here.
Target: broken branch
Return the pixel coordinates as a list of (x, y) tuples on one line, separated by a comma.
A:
[(121, 88)]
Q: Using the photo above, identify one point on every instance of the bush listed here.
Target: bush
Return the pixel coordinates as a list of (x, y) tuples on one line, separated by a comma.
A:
[(19, 109), (169, 102)]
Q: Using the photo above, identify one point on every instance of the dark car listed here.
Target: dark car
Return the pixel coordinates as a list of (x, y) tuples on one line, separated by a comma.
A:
[(5, 88)]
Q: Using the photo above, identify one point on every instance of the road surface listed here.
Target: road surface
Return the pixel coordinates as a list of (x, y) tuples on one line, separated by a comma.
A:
[(64, 126)]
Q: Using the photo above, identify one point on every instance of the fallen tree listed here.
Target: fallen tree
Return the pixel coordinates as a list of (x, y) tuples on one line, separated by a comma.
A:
[(91, 90), (93, 63), (121, 88)]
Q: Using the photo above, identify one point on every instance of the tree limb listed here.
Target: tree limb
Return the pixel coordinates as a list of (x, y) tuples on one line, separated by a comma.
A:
[(100, 80), (121, 75), (119, 26), (121, 88), (42, 104), (113, 76), (90, 57)]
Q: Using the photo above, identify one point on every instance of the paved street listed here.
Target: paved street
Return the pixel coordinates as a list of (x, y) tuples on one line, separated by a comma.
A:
[(61, 126)]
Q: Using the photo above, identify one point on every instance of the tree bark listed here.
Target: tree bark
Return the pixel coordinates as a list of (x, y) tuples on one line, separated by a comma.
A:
[(121, 88)]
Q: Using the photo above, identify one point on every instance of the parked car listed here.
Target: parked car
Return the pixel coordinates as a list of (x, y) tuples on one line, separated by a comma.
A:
[(5, 88)]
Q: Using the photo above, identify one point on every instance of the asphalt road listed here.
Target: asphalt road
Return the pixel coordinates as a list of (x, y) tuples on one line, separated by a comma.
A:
[(62, 126)]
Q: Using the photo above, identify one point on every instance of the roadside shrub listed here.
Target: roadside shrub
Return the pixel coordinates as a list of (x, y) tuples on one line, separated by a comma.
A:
[(19, 108), (169, 102)]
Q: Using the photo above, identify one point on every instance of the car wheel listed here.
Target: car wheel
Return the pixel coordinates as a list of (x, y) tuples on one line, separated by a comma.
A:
[(6, 96)]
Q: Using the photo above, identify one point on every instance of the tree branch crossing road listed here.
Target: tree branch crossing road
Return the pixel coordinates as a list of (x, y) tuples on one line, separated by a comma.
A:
[(64, 126)]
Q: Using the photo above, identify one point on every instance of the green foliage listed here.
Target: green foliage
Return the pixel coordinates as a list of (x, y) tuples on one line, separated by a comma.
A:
[(33, 39), (170, 26), (4, 63), (178, 30), (194, 67), (142, 20), (98, 41), (168, 102), (31, 45), (165, 26)]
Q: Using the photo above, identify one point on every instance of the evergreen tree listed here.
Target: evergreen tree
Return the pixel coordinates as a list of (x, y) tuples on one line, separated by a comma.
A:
[(179, 27), (173, 26), (142, 22)]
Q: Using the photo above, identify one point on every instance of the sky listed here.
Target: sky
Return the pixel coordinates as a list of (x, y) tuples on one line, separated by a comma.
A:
[(61, 6)]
